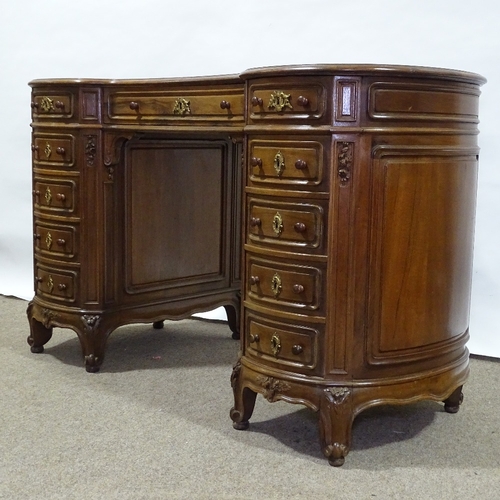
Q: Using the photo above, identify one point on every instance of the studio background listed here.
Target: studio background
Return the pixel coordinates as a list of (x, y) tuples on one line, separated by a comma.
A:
[(164, 38)]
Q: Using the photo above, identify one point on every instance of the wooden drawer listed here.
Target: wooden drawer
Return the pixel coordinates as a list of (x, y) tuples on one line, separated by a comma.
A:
[(55, 241), (55, 284), (280, 284), (276, 342), (190, 105), (304, 100), (298, 226), (54, 150), (53, 106), (55, 195), (292, 164)]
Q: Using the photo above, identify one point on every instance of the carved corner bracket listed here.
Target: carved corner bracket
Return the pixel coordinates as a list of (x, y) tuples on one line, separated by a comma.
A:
[(113, 143)]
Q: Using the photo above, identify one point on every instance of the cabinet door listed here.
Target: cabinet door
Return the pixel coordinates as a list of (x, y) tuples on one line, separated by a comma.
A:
[(177, 209)]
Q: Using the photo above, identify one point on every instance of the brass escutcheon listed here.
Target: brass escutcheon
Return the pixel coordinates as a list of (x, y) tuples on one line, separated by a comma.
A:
[(48, 196), (50, 284), (276, 285), (275, 344), (47, 104), (47, 151), (182, 107), (48, 240), (278, 224), (279, 162), (279, 101)]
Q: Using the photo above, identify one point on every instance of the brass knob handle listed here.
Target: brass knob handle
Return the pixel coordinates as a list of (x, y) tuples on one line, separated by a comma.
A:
[(61, 197), (300, 227), (61, 242), (257, 101), (60, 151), (134, 105), (298, 288), (255, 222), (253, 338), (301, 164), (256, 162), (225, 105), (254, 280), (297, 349), (302, 101), (62, 287)]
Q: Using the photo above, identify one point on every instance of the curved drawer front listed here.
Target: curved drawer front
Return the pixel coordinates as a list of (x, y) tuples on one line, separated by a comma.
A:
[(55, 241), (53, 150), (281, 100), (299, 226), (276, 342), (286, 285), (55, 284), (55, 196), (224, 105), (292, 164), (52, 106)]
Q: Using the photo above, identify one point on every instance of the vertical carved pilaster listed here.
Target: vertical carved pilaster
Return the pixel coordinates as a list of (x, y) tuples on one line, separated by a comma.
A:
[(90, 150), (345, 158)]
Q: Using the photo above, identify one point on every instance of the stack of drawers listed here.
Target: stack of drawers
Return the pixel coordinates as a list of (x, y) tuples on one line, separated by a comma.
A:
[(55, 192)]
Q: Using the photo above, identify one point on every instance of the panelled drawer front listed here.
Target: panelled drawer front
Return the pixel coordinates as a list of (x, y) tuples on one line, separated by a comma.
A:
[(281, 100), (217, 104), (52, 106), (292, 164), (54, 150), (285, 285), (55, 196), (55, 284), (276, 342), (298, 226), (55, 241)]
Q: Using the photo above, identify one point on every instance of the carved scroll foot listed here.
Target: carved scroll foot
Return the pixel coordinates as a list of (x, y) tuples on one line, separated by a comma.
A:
[(335, 424), (233, 320), (40, 333), (93, 338), (453, 402), (244, 400)]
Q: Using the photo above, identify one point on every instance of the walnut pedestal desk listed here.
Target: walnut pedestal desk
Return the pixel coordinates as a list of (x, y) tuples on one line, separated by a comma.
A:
[(359, 212), (356, 216), (137, 196)]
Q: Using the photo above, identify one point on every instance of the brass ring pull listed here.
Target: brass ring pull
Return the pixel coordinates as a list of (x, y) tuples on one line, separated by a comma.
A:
[(276, 285), (275, 345)]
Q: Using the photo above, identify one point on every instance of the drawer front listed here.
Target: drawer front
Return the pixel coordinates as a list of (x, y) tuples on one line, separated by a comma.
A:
[(55, 284), (282, 100), (53, 106), (53, 150), (55, 196), (292, 347), (298, 226), (291, 164), (285, 285), (222, 105), (55, 241)]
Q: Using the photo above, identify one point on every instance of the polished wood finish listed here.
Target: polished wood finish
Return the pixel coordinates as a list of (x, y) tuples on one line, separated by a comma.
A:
[(137, 201), (357, 222), (358, 230)]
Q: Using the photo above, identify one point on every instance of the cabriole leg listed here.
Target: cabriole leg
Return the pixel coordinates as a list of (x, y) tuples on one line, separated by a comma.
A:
[(244, 400), (453, 402)]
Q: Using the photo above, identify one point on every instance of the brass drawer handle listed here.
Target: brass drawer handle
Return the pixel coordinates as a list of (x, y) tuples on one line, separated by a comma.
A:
[(276, 285), (62, 287), (225, 105), (134, 106), (298, 288), (253, 338), (59, 105), (300, 227), (275, 345), (300, 164), (60, 151), (61, 197), (255, 222), (256, 162), (61, 242), (297, 349), (254, 280)]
